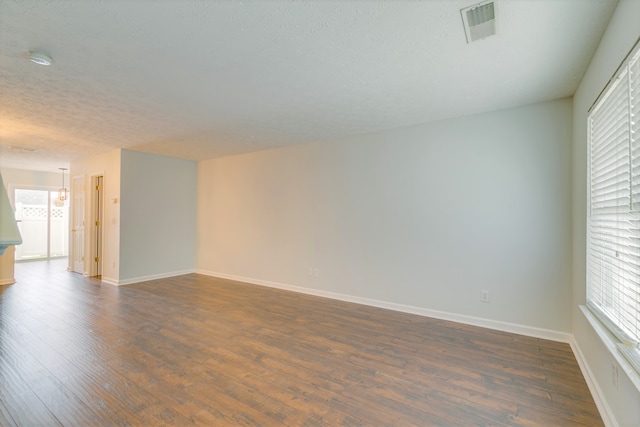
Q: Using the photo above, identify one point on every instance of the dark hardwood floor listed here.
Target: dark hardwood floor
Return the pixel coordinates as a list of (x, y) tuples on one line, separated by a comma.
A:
[(199, 350)]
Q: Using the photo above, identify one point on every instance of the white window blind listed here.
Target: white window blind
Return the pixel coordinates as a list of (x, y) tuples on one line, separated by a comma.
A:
[(613, 222)]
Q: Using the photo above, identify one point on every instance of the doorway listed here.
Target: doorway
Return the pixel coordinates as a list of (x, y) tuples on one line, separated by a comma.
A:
[(43, 221)]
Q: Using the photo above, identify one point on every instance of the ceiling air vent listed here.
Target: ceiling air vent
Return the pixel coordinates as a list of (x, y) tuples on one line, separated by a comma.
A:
[(479, 21)]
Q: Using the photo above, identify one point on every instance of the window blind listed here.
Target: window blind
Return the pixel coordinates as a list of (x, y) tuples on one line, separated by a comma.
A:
[(613, 220)]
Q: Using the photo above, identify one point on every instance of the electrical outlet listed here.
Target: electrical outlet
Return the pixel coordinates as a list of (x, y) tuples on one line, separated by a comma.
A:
[(484, 295), (316, 272), (614, 374), (310, 271)]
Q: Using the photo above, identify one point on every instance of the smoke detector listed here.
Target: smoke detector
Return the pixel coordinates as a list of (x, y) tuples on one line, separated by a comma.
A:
[(479, 20), (39, 58)]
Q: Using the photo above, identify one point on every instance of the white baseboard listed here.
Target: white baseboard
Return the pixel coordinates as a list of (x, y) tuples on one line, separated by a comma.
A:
[(109, 281), (7, 282), (469, 320), (146, 278), (598, 396)]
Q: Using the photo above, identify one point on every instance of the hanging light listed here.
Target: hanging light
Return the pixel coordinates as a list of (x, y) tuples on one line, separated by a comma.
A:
[(62, 193)]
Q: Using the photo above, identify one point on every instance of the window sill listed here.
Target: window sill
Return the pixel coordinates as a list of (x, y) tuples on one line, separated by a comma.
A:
[(610, 342)]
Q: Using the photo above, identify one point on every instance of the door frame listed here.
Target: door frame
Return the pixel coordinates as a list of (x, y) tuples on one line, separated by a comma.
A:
[(96, 221), (12, 201)]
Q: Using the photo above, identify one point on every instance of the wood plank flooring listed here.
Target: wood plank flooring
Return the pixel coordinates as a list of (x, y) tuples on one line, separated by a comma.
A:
[(198, 350)]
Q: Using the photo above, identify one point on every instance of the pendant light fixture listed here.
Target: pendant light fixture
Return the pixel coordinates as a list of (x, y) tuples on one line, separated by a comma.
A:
[(62, 193)]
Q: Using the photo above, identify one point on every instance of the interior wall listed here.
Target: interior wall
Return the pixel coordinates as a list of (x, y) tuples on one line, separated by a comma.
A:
[(426, 216), (107, 165), (157, 235), (621, 34), (32, 179)]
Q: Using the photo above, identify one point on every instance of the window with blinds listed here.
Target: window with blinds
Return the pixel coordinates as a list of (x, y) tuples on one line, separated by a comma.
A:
[(613, 220)]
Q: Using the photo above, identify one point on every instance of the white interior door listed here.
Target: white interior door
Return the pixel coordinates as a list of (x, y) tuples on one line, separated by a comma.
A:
[(77, 226)]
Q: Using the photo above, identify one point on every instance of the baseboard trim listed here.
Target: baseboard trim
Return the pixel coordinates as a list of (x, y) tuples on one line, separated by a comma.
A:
[(7, 282), (146, 278), (598, 396), (109, 281), (469, 320)]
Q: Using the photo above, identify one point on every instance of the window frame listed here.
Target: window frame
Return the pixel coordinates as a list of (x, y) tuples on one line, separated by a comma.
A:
[(620, 240)]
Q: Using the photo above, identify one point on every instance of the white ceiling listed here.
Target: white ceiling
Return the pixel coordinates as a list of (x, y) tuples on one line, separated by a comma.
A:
[(202, 79)]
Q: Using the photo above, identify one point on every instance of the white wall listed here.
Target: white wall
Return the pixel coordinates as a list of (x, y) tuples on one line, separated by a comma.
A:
[(425, 216), (623, 402), (107, 165), (158, 205), (32, 179)]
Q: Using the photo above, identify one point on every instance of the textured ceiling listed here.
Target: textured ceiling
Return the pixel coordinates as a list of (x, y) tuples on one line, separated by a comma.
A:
[(202, 79)]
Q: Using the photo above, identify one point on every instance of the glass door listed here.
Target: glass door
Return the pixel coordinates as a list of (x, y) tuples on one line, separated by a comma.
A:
[(43, 221)]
